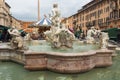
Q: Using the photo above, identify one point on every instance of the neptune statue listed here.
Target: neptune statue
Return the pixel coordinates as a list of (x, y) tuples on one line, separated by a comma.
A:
[(59, 35)]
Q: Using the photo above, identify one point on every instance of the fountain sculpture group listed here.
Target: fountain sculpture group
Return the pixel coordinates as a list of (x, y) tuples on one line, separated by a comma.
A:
[(16, 41), (59, 36), (96, 36)]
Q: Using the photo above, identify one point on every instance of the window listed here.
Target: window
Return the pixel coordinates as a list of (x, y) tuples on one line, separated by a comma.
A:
[(119, 13), (94, 22), (104, 10), (80, 18), (87, 17), (107, 9), (98, 5), (100, 21), (98, 13), (114, 14), (83, 18), (104, 19), (101, 11), (107, 21), (83, 24), (80, 25), (95, 15)]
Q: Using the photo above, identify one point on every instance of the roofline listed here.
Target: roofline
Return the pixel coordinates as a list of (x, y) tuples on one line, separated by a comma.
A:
[(80, 10), (72, 15), (15, 18), (88, 3), (7, 5), (27, 21)]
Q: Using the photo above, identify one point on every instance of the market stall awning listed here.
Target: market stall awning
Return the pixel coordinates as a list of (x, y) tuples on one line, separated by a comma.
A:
[(44, 22), (4, 27)]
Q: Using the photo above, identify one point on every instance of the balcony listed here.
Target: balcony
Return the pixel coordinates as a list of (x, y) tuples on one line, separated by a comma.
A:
[(114, 15), (105, 24), (89, 24)]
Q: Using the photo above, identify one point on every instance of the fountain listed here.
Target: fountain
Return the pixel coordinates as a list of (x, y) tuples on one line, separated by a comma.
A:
[(62, 53), (60, 37)]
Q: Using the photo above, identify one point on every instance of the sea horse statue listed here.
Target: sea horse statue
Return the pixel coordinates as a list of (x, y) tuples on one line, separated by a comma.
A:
[(16, 41)]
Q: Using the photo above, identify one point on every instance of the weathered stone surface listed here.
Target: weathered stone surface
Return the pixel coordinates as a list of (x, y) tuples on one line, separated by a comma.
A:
[(12, 55), (35, 62), (68, 63), (112, 47)]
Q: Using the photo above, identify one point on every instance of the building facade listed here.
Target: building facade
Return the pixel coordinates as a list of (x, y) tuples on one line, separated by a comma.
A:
[(102, 14), (6, 19), (16, 23), (25, 26)]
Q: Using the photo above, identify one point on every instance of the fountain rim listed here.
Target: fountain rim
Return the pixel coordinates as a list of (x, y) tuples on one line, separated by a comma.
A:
[(87, 53)]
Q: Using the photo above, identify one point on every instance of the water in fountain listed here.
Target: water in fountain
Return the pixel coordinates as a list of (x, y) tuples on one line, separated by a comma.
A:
[(10, 71)]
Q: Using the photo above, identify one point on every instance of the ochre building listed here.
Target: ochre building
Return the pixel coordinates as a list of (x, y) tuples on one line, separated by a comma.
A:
[(102, 14), (26, 26)]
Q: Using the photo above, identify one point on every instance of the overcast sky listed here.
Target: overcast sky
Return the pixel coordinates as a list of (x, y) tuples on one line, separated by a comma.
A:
[(27, 9)]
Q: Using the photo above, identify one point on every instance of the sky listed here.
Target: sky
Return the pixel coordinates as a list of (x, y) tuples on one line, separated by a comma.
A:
[(27, 9)]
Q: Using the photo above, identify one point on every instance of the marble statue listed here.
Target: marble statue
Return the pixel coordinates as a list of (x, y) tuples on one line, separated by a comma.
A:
[(59, 35), (91, 34), (94, 36), (104, 40), (55, 16), (63, 37), (17, 40), (27, 37)]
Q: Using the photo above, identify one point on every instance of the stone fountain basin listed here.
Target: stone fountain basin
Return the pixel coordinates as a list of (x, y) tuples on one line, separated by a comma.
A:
[(68, 63), (58, 61)]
